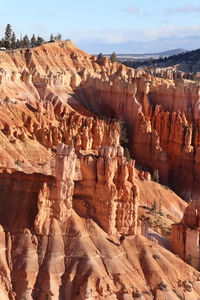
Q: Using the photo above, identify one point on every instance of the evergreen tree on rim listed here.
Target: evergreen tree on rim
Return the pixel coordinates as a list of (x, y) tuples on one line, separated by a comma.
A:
[(18, 44), (40, 40), (113, 57), (7, 36), (33, 41), (58, 37), (52, 39), (25, 42), (100, 56), (13, 41)]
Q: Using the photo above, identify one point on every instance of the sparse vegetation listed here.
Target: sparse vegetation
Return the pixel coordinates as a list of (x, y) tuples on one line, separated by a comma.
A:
[(10, 41), (137, 295), (162, 286), (100, 55), (156, 219), (17, 162), (124, 141), (189, 59), (113, 57), (156, 256), (189, 260)]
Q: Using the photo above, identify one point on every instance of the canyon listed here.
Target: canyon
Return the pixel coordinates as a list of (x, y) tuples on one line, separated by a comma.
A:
[(84, 145)]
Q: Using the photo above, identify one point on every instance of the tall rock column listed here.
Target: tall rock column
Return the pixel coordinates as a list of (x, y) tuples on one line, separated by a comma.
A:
[(145, 101), (63, 192), (55, 197), (106, 191), (186, 235)]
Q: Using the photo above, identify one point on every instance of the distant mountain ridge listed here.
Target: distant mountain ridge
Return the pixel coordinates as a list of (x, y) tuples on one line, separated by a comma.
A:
[(172, 52), (144, 56), (164, 53), (188, 61)]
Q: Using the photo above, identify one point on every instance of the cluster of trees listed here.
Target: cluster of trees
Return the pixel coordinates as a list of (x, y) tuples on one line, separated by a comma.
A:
[(113, 57), (189, 57), (10, 41)]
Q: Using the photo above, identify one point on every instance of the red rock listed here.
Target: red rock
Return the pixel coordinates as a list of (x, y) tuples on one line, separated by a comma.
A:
[(185, 235), (70, 218)]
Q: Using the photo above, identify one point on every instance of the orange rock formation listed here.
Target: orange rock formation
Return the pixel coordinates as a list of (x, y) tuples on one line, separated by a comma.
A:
[(50, 251), (185, 235), (69, 198), (42, 89)]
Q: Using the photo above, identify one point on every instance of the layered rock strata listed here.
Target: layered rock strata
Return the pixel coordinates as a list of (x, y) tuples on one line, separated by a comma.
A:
[(69, 228), (49, 252), (186, 235), (107, 192), (41, 86)]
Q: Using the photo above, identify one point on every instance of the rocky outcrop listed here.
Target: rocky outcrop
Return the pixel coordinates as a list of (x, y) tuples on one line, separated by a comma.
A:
[(185, 235), (162, 122), (48, 251), (28, 139), (107, 192), (43, 102), (55, 200), (69, 198)]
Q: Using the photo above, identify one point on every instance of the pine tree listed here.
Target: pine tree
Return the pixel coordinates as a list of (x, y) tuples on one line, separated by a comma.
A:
[(113, 57), (25, 42), (100, 56), (33, 41), (18, 44), (7, 36), (58, 37), (40, 40), (13, 41), (2, 43), (52, 39)]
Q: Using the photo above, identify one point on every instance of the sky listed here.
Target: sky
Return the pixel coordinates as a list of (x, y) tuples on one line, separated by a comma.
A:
[(123, 26)]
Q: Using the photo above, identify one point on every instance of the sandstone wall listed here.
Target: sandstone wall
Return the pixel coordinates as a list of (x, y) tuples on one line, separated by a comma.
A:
[(39, 93), (60, 234), (107, 192)]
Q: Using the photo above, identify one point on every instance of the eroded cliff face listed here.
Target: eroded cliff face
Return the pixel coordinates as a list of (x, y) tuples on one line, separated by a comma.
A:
[(162, 117), (107, 192), (45, 88), (69, 198), (74, 236), (185, 235)]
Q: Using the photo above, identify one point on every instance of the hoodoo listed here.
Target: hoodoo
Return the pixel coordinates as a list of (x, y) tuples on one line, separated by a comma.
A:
[(88, 151), (185, 235)]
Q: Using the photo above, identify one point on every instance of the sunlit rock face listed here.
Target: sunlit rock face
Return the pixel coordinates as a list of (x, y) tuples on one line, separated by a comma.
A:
[(57, 93), (61, 235), (185, 235), (107, 192), (68, 195)]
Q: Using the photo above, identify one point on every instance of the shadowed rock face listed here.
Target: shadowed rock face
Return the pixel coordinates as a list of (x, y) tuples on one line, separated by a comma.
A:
[(162, 120), (68, 196)]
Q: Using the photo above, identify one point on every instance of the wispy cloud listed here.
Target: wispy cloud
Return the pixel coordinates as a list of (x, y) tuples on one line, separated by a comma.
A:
[(132, 9), (119, 35), (137, 40), (186, 9)]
